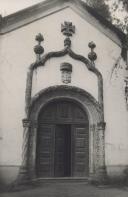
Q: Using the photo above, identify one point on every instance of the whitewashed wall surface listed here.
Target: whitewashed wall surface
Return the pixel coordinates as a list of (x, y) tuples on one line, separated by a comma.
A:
[(16, 54)]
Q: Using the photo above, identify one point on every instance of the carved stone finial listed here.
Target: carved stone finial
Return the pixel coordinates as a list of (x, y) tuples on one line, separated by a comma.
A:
[(39, 37), (67, 28), (67, 42), (92, 55), (92, 45), (38, 49)]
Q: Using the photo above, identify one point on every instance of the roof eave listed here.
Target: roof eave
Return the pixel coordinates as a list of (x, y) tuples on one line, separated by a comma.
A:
[(28, 15)]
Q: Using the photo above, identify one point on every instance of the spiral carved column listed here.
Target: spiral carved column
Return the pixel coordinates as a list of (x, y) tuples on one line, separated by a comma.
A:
[(101, 173), (32, 150), (23, 174)]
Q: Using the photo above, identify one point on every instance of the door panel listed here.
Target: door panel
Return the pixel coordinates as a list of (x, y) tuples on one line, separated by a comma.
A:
[(62, 150), (59, 151), (45, 154), (80, 150), (62, 141)]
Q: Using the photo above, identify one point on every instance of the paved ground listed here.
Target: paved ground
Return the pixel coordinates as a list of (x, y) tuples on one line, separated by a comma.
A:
[(69, 190)]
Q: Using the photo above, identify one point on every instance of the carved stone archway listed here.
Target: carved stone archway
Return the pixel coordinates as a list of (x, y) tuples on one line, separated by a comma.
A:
[(96, 127)]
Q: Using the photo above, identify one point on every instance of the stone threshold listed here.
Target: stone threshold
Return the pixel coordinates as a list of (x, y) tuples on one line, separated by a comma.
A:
[(61, 179)]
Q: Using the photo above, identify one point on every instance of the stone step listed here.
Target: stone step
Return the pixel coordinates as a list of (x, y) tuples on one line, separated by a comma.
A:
[(61, 179), (28, 184)]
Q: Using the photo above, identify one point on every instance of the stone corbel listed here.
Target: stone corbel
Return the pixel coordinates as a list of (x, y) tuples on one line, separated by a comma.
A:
[(101, 126), (26, 123)]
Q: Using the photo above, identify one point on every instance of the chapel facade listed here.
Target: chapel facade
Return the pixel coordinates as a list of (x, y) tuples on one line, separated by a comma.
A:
[(64, 95)]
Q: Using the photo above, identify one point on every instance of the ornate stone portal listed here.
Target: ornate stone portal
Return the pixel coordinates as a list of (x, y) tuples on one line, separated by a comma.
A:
[(95, 109)]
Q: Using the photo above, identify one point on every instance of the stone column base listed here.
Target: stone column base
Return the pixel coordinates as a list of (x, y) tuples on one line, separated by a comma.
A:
[(100, 177)]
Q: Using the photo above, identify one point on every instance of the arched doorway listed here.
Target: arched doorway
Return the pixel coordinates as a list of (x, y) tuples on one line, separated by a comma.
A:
[(93, 117), (62, 140)]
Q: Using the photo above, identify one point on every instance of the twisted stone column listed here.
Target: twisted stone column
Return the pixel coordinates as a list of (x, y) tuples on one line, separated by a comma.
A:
[(23, 174), (100, 152), (32, 151), (27, 170), (28, 89), (91, 147)]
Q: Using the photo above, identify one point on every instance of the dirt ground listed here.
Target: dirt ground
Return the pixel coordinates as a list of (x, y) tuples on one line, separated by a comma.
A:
[(69, 190)]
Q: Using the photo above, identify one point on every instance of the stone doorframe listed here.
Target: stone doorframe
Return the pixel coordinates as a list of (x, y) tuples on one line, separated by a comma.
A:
[(96, 128)]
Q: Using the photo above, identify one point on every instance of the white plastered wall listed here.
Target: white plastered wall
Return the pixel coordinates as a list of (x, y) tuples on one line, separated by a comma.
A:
[(16, 54)]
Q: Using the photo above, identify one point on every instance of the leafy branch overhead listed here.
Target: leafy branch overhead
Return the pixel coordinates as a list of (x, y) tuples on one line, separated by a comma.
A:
[(101, 7), (115, 11), (125, 4)]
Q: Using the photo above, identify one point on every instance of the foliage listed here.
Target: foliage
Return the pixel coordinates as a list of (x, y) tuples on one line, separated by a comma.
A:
[(119, 12), (121, 24), (101, 7), (125, 4), (112, 10)]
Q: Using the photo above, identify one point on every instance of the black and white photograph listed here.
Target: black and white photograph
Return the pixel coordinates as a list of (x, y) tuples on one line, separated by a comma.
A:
[(64, 98)]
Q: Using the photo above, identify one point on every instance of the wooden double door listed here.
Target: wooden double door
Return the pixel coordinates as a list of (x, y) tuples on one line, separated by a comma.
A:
[(62, 143)]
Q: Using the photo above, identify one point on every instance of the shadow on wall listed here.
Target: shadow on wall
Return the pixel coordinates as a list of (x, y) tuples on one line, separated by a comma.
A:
[(118, 175), (8, 175)]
